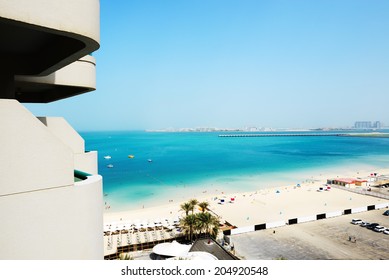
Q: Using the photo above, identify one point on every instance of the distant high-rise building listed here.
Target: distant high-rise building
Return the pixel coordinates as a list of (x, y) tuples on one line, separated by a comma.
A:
[(367, 124), (362, 125), (377, 124)]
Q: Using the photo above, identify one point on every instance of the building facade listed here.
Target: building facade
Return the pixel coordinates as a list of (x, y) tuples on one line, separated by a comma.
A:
[(51, 202), (368, 125)]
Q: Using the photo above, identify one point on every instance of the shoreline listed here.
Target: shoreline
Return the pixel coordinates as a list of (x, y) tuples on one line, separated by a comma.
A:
[(255, 198)]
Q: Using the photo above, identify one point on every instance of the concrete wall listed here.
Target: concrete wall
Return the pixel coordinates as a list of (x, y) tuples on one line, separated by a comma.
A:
[(275, 224), (87, 162), (61, 223), (32, 157), (84, 161), (43, 213), (359, 210), (59, 127), (242, 230)]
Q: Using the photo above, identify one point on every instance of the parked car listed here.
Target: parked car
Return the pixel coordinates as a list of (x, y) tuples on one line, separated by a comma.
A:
[(364, 224), (386, 213), (372, 225), (386, 231), (356, 221), (379, 228)]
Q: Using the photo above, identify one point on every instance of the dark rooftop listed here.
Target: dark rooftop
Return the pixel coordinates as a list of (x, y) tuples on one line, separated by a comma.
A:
[(213, 248)]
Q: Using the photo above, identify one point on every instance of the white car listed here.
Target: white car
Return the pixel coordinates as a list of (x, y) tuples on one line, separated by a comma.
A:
[(386, 231), (364, 224), (379, 228), (356, 221)]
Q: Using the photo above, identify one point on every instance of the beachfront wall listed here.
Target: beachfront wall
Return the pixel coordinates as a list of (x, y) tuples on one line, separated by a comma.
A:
[(359, 210), (275, 224), (382, 205), (305, 219), (334, 214), (242, 230)]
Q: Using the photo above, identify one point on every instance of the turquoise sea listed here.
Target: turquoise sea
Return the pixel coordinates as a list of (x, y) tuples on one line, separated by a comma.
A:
[(165, 164)]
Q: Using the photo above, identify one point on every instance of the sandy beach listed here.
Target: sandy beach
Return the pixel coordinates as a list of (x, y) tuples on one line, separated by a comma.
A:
[(263, 205)]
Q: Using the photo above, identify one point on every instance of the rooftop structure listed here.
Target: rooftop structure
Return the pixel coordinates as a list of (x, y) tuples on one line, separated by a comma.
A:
[(210, 246), (347, 182), (50, 191)]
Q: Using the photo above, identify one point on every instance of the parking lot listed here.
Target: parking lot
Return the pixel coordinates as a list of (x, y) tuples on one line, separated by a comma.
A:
[(333, 238)]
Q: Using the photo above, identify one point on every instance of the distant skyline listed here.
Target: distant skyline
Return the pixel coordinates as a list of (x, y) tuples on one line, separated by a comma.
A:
[(227, 64)]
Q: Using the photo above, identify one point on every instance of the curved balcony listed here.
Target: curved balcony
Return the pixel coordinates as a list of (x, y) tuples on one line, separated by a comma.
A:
[(76, 78), (39, 36)]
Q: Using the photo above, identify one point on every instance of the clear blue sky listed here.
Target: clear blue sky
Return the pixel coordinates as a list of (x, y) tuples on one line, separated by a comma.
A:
[(224, 63)]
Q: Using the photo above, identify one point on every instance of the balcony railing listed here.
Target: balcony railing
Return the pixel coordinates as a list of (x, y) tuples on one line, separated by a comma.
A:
[(80, 175)]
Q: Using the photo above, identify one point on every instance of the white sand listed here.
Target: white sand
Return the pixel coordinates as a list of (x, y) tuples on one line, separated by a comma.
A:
[(264, 205)]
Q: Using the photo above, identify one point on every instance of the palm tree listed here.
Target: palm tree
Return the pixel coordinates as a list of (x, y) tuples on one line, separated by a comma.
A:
[(186, 207), (202, 221), (208, 223), (203, 205), (214, 227), (188, 224), (193, 202)]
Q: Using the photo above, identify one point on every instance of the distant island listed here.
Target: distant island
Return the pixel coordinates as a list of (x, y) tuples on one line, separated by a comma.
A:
[(252, 129)]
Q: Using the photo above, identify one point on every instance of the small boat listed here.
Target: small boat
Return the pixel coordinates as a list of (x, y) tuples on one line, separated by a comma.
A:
[(150, 160), (131, 156), (107, 157), (110, 165)]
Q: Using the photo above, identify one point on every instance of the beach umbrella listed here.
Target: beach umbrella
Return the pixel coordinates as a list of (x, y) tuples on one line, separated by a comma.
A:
[(150, 225), (171, 227)]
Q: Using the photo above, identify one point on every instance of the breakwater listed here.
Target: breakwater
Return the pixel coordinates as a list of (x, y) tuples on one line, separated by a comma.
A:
[(284, 135)]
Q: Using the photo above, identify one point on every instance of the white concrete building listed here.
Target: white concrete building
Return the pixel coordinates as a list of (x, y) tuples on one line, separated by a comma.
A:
[(51, 202)]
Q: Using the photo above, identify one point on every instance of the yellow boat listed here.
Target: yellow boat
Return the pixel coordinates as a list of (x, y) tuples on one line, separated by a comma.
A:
[(131, 156)]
